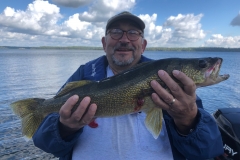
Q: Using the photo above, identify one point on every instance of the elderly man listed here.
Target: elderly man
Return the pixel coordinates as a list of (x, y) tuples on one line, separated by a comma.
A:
[(188, 131)]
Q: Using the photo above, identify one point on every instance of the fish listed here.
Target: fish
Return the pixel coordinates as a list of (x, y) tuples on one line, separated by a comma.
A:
[(125, 93)]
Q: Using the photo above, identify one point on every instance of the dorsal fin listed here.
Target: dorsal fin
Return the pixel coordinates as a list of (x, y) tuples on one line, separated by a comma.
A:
[(72, 85)]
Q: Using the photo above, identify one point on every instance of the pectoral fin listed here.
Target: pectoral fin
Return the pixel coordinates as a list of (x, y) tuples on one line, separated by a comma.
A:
[(153, 121)]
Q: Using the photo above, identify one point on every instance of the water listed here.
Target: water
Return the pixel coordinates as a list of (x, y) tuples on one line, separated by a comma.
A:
[(40, 73)]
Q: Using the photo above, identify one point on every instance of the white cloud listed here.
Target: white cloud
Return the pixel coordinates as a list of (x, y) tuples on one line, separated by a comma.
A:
[(217, 40), (72, 3), (153, 33), (43, 24), (75, 28), (42, 20), (236, 20), (185, 28), (39, 17), (9, 12), (102, 10), (177, 31)]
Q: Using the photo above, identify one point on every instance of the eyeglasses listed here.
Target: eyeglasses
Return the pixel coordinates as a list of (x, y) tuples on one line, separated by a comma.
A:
[(132, 35)]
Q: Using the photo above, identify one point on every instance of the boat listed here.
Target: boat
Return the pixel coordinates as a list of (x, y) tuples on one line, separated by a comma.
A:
[(228, 121)]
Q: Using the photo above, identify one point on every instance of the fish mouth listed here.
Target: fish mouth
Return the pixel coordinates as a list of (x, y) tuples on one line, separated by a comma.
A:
[(212, 74), (214, 70)]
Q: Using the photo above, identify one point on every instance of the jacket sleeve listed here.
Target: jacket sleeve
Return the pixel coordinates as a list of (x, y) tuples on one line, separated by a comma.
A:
[(48, 138), (202, 143)]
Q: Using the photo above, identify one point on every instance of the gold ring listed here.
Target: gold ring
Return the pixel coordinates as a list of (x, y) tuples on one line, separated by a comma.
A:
[(170, 104)]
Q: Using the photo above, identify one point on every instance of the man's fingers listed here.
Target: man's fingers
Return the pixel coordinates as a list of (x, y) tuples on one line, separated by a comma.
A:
[(81, 109), (174, 88), (80, 117), (162, 97), (66, 110), (188, 84), (88, 117), (159, 102), (92, 110)]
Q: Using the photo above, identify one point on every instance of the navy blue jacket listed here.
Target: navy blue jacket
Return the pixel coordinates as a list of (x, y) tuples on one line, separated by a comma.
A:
[(202, 143)]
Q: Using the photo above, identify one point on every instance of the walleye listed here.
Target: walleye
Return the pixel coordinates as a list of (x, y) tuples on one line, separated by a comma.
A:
[(124, 93)]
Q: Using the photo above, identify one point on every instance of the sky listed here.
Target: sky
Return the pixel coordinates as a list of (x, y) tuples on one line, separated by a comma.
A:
[(169, 23)]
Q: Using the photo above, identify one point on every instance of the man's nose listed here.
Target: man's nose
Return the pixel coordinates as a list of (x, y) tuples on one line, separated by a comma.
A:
[(124, 38)]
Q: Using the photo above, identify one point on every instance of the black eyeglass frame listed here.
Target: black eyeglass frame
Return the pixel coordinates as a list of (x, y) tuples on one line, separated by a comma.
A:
[(140, 34)]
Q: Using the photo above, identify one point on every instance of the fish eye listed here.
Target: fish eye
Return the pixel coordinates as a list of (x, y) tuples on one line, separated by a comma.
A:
[(202, 63)]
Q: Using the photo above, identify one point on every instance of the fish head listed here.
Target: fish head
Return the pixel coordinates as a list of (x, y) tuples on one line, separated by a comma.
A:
[(204, 71)]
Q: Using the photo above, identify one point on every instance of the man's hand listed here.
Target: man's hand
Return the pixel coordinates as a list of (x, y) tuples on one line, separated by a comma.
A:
[(71, 122), (180, 103)]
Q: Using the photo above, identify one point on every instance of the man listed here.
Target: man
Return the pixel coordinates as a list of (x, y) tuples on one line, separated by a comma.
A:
[(188, 132)]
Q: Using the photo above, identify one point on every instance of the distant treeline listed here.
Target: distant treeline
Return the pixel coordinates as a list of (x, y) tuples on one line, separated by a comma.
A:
[(207, 49), (54, 47)]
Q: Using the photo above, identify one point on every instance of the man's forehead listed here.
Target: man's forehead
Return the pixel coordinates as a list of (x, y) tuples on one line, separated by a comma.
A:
[(125, 22)]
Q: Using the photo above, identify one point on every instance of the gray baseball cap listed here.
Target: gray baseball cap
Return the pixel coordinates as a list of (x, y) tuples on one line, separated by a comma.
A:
[(126, 15)]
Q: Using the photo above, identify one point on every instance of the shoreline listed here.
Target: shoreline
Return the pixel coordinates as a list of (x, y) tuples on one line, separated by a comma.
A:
[(187, 49)]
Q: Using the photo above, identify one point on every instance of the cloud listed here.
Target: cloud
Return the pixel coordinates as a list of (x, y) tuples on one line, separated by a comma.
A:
[(175, 32), (155, 34), (217, 40), (39, 18), (236, 20), (42, 24), (185, 28), (72, 3), (90, 25), (102, 10), (75, 28)]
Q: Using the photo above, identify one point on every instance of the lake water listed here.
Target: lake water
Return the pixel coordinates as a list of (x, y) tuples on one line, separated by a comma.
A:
[(40, 73)]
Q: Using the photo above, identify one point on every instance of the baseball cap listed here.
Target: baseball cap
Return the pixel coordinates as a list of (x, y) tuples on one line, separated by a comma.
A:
[(126, 15)]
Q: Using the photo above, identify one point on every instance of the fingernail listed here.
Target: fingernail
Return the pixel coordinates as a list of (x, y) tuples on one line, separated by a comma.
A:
[(75, 97), (86, 99), (175, 72), (93, 107), (153, 82), (160, 72)]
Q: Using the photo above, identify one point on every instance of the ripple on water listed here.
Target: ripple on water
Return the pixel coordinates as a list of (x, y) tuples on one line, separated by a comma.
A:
[(18, 148), (12, 143)]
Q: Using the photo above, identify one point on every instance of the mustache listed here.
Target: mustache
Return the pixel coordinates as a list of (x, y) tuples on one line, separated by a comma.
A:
[(124, 47)]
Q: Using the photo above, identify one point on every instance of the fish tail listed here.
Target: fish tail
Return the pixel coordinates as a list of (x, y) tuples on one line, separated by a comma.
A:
[(31, 116), (153, 121)]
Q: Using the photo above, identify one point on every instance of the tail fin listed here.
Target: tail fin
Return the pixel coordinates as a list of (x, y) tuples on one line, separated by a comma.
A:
[(28, 111)]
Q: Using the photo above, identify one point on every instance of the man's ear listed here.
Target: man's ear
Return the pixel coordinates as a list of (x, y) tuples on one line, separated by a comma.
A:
[(144, 45), (104, 43)]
